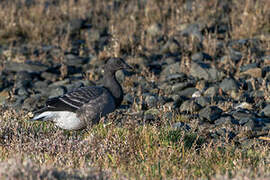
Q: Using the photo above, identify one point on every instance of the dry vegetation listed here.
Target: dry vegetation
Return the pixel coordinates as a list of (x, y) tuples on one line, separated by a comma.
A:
[(40, 150), (107, 150)]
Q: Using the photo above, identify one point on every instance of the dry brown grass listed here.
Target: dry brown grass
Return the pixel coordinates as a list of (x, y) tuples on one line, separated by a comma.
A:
[(131, 151), (50, 22)]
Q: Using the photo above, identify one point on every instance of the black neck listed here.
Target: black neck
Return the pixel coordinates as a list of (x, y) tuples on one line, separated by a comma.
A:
[(110, 82)]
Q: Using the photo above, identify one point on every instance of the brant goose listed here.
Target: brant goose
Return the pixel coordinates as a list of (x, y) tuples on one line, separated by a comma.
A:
[(86, 105)]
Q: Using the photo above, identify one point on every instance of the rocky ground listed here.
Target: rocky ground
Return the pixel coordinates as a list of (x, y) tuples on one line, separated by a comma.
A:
[(217, 82)]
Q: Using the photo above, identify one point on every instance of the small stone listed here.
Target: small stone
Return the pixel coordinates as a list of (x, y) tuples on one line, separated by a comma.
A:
[(73, 60), (55, 92), (265, 112), (22, 92), (33, 102), (23, 79), (170, 69), (28, 67), (154, 30), (210, 113), (151, 101), (151, 115), (226, 120), (180, 86), (202, 101), (249, 124), (175, 78), (171, 46), (244, 105), (246, 67), (193, 30), (211, 91), (60, 83), (197, 57), (229, 84), (190, 106), (187, 92), (49, 76), (204, 71), (196, 94), (40, 86), (92, 35), (241, 114)]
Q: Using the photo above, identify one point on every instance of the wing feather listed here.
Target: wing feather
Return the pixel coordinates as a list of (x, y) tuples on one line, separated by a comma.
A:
[(75, 99)]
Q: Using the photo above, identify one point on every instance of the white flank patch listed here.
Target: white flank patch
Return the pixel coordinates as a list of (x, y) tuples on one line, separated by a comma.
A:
[(63, 119)]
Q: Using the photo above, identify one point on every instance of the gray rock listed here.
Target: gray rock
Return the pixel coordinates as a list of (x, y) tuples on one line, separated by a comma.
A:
[(75, 25), (29, 67), (151, 115), (190, 106), (210, 113), (40, 86), (200, 56), (22, 92), (257, 94), (171, 46), (226, 120), (265, 111), (18, 103), (235, 55), (211, 91), (174, 78), (229, 84), (170, 69), (178, 100), (57, 91), (181, 126), (180, 86), (154, 29), (170, 60), (33, 102), (203, 101), (202, 70), (248, 124), (23, 79), (246, 67), (49, 76), (78, 83), (197, 57), (151, 101), (187, 92), (92, 35), (242, 115), (73, 60), (60, 83), (194, 30)]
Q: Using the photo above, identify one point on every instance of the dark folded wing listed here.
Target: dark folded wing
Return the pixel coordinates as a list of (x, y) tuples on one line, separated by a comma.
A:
[(73, 100)]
